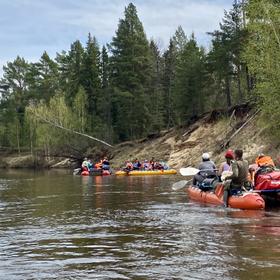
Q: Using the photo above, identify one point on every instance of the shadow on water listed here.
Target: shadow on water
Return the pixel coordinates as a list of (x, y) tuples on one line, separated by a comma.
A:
[(58, 226)]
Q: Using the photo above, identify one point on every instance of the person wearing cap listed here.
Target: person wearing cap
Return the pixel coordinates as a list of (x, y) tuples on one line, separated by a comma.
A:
[(206, 167), (239, 177), (206, 163), (226, 165)]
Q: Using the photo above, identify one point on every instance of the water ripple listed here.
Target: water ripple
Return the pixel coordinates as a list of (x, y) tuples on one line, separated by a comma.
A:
[(130, 228)]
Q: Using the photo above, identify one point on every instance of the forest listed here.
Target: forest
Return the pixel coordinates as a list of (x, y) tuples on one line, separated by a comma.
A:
[(130, 88)]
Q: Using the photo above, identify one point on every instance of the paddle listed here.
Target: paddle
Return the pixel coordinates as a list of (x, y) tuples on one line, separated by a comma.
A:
[(189, 171), (77, 171), (179, 185)]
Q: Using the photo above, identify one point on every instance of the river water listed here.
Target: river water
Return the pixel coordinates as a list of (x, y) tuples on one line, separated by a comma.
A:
[(54, 225)]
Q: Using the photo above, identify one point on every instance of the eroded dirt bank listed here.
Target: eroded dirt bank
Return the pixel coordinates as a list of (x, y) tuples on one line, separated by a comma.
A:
[(214, 133), (211, 133)]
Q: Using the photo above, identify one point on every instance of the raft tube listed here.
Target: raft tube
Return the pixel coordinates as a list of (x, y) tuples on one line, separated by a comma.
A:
[(85, 173), (146, 172), (105, 172), (96, 173), (246, 201)]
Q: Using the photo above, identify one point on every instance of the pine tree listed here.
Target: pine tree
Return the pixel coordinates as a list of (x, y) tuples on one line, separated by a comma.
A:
[(262, 55), (91, 76), (131, 71), (179, 39), (70, 71), (189, 82), (14, 97), (105, 99), (46, 77), (169, 58), (156, 89)]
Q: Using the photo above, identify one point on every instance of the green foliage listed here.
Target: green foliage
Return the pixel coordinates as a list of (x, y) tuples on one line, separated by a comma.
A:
[(91, 75), (131, 71), (169, 58), (224, 59), (70, 67), (155, 104), (132, 88), (44, 78), (262, 54), (189, 82), (45, 117), (179, 40)]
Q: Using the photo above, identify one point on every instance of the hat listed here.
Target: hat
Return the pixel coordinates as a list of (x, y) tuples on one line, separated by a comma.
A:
[(229, 154), (205, 156)]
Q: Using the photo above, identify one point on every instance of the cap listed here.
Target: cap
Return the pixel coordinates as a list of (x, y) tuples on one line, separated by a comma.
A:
[(229, 154), (205, 156)]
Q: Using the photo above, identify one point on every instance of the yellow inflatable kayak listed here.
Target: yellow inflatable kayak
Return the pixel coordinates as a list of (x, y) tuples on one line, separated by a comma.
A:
[(147, 172)]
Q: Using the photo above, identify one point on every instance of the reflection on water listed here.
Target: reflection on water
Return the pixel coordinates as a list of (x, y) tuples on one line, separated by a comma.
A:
[(58, 226)]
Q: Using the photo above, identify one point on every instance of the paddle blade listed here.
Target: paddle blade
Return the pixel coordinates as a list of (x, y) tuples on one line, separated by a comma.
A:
[(76, 171), (179, 185), (189, 171)]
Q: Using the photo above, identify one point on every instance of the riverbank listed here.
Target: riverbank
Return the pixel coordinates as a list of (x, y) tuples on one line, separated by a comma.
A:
[(214, 133), (26, 160)]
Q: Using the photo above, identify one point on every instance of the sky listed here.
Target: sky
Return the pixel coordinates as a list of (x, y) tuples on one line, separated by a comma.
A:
[(30, 27)]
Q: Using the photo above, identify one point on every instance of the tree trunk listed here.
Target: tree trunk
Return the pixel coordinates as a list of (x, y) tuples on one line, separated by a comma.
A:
[(72, 131), (240, 93), (18, 140), (227, 92), (248, 80)]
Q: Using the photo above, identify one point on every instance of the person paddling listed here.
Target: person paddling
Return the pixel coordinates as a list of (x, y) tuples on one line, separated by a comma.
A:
[(206, 167), (128, 166), (105, 164), (136, 164), (85, 165)]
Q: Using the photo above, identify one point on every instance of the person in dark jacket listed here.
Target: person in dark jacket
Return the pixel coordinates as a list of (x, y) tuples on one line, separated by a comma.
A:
[(136, 164), (206, 167)]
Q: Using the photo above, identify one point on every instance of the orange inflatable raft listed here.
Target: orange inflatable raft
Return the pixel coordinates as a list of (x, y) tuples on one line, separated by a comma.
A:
[(96, 173), (247, 200)]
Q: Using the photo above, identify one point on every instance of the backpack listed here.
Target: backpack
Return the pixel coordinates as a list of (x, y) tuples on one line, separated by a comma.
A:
[(268, 181), (210, 177)]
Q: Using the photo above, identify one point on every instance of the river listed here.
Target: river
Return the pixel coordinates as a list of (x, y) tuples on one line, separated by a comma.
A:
[(54, 225)]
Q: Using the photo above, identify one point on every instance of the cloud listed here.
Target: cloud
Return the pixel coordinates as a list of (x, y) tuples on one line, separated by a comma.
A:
[(28, 27)]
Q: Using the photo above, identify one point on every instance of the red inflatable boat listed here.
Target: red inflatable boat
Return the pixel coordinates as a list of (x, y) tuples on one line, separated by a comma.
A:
[(95, 173), (247, 200)]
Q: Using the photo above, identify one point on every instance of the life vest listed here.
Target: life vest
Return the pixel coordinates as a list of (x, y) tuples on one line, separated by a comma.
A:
[(98, 165), (264, 161)]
